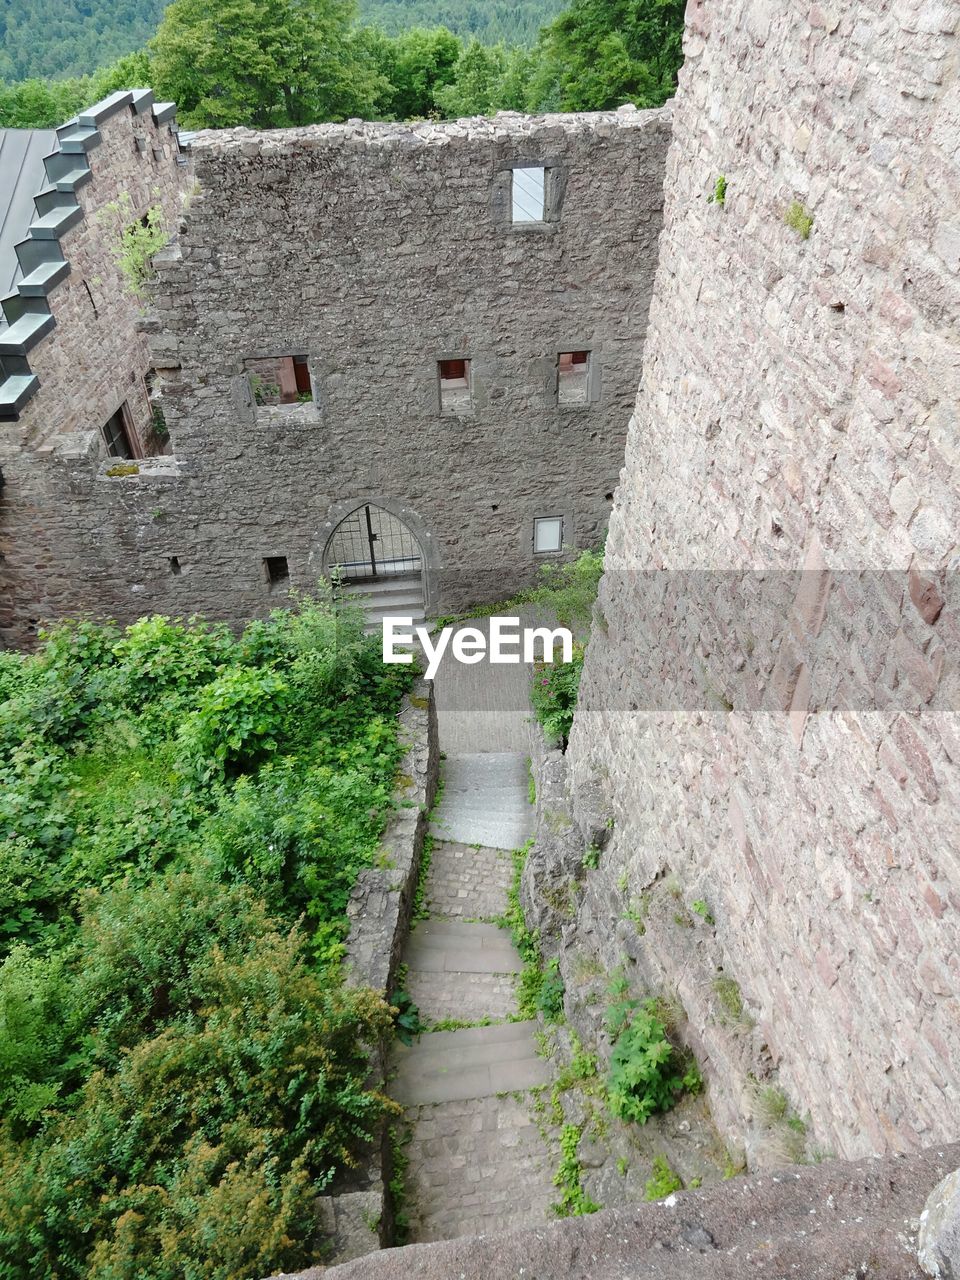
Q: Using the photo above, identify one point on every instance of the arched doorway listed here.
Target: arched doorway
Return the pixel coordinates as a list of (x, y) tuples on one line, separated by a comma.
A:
[(377, 559)]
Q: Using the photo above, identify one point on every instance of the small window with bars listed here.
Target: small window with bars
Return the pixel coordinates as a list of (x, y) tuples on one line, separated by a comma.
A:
[(454, 378)]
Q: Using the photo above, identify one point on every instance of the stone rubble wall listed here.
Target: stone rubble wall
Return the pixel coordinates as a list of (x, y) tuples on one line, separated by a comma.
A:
[(376, 250), (94, 360), (769, 699)]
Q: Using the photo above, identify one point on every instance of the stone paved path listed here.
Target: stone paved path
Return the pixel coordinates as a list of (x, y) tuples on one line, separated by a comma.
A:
[(476, 1160)]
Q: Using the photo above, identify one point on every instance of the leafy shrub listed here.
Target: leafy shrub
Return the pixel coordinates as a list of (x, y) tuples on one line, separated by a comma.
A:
[(573, 1201), (550, 996), (406, 1017), (242, 1075), (180, 1069), (647, 1073), (554, 695), (235, 723)]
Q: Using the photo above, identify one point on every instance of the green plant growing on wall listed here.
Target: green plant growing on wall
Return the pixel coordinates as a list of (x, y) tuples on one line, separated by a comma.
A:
[(703, 911), (799, 219), (573, 1201), (406, 1016), (663, 1181), (719, 193), (591, 857), (647, 1073), (137, 241)]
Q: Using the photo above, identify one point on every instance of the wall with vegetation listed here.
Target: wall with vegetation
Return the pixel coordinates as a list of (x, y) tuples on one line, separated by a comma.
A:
[(768, 707), (375, 251), (93, 361)]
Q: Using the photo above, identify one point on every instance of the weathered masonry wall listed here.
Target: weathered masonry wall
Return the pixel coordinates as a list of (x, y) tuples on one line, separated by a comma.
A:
[(86, 359), (378, 251), (784, 746)]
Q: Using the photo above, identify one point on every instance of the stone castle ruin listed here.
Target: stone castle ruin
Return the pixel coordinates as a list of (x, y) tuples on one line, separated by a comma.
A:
[(414, 349), (408, 350)]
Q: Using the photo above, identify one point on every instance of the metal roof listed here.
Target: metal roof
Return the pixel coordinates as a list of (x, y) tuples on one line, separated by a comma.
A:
[(21, 178)]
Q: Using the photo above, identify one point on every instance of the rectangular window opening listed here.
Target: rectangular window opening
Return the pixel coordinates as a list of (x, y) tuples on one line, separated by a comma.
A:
[(528, 194), (454, 385), (276, 570), (175, 567), (547, 535), (280, 379), (116, 435), (573, 377)]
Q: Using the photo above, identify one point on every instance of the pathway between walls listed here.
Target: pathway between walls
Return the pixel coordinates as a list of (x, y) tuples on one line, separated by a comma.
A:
[(477, 1162)]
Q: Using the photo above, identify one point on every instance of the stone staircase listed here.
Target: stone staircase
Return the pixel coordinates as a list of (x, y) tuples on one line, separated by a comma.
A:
[(397, 595), (43, 263), (476, 1160)]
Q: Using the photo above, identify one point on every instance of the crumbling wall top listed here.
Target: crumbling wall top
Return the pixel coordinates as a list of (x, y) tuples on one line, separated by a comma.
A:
[(378, 134)]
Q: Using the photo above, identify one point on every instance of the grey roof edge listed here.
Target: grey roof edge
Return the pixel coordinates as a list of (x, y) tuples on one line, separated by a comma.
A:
[(19, 384)]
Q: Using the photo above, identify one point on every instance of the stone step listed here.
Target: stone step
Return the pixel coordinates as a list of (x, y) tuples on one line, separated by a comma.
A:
[(485, 800), (391, 584), (454, 958), (511, 1039), (434, 932), (476, 1062)]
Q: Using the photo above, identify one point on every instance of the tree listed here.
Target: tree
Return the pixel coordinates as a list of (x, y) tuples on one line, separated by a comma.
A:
[(601, 53), (476, 83), (260, 63)]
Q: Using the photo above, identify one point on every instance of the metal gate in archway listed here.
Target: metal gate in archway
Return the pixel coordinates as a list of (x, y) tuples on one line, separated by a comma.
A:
[(371, 543)]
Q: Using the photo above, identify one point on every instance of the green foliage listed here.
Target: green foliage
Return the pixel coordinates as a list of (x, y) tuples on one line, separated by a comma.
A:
[(600, 53), (703, 911), (490, 21), (525, 939), (799, 219), (647, 1073), (406, 1017), (554, 695), (550, 996), (573, 1201), (137, 242), (663, 1181), (180, 1070), (412, 68), (719, 194), (265, 65), (591, 857)]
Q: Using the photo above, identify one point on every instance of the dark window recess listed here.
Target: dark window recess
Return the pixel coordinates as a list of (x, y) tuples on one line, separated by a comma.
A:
[(573, 377), (277, 570), (301, 373), (175, 568), (454, 385), (116, 435)]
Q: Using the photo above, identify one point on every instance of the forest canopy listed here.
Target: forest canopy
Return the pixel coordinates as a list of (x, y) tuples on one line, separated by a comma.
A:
[(303, 61)]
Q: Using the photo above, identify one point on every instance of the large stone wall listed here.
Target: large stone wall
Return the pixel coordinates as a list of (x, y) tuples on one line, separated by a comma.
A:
[(377, 251), (93, 361), (769, 707)]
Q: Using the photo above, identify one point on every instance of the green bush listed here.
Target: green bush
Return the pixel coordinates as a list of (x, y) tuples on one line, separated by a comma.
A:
[(647, 1073), (554, 695), (214, 1048), (663, 1181), (183, 814)]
